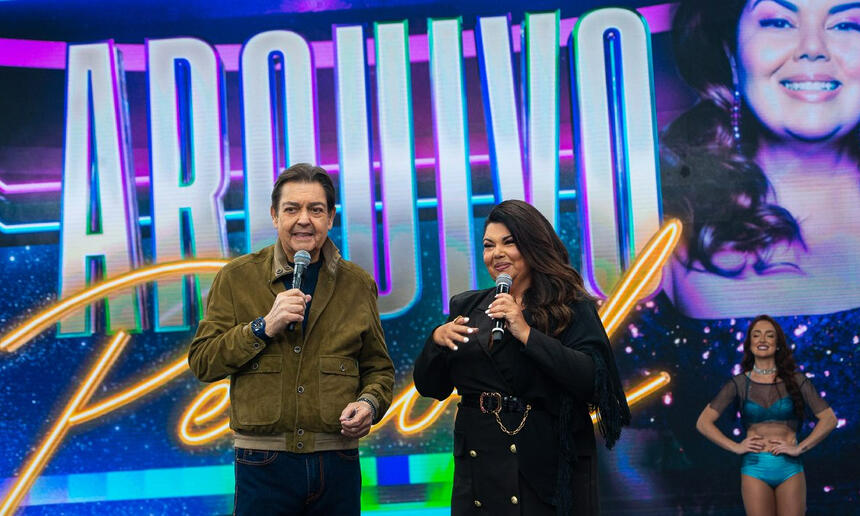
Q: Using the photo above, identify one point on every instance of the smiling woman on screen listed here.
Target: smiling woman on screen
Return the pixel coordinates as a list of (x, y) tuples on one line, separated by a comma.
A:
[(763, 170)]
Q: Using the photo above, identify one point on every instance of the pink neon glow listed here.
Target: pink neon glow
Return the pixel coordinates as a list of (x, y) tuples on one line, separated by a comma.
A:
[(28, 53), (237, 175)]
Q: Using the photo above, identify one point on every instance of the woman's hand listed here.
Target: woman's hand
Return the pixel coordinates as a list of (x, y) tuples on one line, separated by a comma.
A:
[(504, 307), (752, 444), (452, 333), (779, 447)]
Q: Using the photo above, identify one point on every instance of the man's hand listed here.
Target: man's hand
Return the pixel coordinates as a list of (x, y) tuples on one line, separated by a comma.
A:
[(288, 307), (355, 419)]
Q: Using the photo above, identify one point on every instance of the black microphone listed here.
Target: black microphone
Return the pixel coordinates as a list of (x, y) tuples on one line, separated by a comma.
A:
[(302, 259), (503, 286)]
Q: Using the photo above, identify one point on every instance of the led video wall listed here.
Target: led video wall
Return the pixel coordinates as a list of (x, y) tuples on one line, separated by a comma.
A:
[(699, 172)]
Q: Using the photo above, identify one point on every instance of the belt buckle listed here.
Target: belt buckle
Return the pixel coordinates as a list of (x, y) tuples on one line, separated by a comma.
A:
[(490, 395)]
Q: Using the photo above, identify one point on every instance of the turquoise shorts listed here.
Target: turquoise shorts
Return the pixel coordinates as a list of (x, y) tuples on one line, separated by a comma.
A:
[(769, 468)]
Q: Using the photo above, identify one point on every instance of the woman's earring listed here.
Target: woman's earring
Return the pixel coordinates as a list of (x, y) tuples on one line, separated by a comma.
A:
[(736, 117)]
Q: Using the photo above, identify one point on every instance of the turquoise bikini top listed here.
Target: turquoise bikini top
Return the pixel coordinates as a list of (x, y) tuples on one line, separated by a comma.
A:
[(781, 410), (767, 402)]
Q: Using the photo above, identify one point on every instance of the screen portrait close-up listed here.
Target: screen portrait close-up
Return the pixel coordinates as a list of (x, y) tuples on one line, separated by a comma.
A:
[(429, 258)]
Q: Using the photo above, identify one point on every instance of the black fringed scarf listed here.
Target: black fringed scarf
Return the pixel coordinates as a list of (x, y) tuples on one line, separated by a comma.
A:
[(610, 404)]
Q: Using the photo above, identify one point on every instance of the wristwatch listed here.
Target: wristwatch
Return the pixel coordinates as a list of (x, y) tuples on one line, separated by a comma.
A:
[(258, 328)]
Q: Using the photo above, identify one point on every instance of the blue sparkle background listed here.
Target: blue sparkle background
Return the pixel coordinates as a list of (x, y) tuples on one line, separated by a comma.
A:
[(660, 466)]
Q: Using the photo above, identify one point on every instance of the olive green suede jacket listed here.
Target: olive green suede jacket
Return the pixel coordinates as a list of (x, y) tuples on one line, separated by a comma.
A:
[(288, 394)]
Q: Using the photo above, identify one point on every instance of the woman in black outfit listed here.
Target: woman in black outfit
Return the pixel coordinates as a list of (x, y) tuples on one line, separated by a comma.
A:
[(523, 438)]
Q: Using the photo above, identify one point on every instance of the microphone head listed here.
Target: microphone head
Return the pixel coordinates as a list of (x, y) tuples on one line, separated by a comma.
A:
[(504, 279), (302, 258)]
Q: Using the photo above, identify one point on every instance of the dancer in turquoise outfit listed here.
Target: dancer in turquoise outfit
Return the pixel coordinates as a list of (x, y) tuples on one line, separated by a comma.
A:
[(771, 397)]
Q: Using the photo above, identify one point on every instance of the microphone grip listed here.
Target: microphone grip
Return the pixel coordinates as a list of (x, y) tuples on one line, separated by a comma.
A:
[(297, 283), (498, 330), (499, 327)]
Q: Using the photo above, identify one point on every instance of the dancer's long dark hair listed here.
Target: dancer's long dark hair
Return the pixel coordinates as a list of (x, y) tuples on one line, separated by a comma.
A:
[(711, 183), (785, 365), (554, 283)]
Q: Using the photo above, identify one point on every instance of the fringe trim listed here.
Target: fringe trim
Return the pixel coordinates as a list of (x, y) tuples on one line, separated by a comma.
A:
[(610, 404)]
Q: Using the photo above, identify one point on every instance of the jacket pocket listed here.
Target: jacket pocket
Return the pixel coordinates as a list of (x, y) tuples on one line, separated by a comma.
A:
[(338, 386), (257, 392), (463, 495)]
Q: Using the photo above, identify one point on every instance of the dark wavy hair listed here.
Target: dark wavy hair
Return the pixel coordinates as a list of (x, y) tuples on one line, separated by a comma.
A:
[(785, 365), (709, 182), (554, 283)]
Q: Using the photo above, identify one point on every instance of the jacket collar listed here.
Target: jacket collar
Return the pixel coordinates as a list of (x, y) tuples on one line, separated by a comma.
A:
[(281, 266), (325, 284)]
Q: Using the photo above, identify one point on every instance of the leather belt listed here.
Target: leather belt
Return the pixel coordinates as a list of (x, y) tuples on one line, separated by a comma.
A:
[(493, 402)]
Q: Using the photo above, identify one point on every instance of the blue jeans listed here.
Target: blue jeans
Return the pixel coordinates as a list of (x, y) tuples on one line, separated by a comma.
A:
[(319, 483)]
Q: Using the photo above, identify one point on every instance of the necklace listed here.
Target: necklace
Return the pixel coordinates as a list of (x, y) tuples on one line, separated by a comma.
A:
[(764, 372)]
